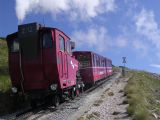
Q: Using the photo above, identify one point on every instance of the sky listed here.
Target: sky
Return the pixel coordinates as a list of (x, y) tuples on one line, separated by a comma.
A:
[(112, 28)]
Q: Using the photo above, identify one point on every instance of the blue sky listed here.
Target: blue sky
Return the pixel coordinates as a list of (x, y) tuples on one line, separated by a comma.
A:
[(112, 28)]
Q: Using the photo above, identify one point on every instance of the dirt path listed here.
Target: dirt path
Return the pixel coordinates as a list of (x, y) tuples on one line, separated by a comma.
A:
[(105, 104)]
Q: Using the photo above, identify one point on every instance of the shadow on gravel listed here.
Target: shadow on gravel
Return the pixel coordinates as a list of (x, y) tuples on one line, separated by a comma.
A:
[(10, 104)]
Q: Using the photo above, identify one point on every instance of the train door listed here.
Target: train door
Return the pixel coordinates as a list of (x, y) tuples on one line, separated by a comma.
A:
[(48, 55), (93, 65), (106, 67), (63, 66)]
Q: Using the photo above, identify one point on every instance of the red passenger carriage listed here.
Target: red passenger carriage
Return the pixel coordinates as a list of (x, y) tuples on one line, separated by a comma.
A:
[(93, 67)]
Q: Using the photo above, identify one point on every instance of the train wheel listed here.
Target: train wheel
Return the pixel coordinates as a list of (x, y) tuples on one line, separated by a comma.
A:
[(48, 100), (82, 89), (77, 92), (56, 101), (61, 99), (72, 94)]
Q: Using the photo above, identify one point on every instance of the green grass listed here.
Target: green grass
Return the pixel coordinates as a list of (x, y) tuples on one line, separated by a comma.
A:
[(3, 38), (5, 83), (6, 103), (142, 92)]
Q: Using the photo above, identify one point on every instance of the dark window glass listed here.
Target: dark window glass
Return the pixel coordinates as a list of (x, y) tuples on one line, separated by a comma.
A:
[(14, 45), (97, 61), (68, 47), (93, 61), (47, 40), (102, 63), (84, 60), (62, 43)]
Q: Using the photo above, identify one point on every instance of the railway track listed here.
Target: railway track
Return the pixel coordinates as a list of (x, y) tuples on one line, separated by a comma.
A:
[(44, 109)]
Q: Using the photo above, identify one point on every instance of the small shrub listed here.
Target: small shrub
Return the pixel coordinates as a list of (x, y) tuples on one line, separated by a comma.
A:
[(121, 91), (110, 93), (125, 102), (93, 115), (96, 114), (115, 113), (81, 118), (98, 102)]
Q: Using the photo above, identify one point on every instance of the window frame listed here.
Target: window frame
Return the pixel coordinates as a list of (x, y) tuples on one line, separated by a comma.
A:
[(44, 47), (68, 47), (12, 47), (60, 36)]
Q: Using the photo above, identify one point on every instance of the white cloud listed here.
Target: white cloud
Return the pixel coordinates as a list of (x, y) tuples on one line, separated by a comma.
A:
[(98, 38), (77, 9), (148, 27), (140, 47), (121, 42), (93, 37), (155, 65)]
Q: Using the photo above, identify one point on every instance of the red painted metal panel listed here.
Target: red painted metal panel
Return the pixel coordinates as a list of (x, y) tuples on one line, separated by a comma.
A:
[(14, 69), (67, 66)]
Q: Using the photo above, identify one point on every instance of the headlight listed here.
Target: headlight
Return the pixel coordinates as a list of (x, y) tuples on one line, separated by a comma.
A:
[(79, 86), (14, 89), (53, 87), (74, 89)]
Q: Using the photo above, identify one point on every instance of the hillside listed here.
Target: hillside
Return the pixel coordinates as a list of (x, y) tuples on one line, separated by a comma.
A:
[(4, 77), (5, 83), (143, 95)]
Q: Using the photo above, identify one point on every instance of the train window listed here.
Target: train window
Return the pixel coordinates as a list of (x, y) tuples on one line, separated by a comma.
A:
[(107, 63), (68, 47), (47, 40), (14, 45), (62, 43), (98, 62), (84, 61), (93, 63), (101, 62)]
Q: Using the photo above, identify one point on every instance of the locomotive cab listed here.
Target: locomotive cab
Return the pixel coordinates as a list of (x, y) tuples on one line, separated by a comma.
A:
[(40, 61)]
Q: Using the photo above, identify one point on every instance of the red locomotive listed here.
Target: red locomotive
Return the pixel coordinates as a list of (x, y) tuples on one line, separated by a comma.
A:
[(93, 67), (41, 64)]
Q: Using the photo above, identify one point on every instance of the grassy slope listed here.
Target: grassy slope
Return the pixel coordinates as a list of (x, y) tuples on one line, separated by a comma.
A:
[(143, 92), (4, 76), (5, 83)]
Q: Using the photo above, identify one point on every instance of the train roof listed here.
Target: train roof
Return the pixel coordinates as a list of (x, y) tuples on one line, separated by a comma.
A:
[(92, 53), (43, 28)]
